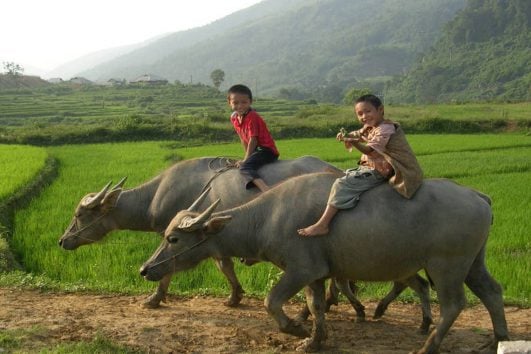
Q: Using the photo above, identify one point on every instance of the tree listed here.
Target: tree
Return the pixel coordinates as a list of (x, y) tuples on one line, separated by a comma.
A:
[(354, 93), (12, 68), (217, 76)]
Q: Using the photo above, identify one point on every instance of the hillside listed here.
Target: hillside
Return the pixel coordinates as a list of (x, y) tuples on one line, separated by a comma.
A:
[(484, 54), (313, 47), (87, 62), (21, 81)]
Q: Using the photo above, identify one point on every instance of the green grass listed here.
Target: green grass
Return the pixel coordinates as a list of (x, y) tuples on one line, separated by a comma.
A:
[(62, 114), (29, 340), (20, 164), (495, 164), (469, 111)]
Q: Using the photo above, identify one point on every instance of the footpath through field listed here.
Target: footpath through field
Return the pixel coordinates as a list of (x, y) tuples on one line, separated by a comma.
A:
[(203, 324)]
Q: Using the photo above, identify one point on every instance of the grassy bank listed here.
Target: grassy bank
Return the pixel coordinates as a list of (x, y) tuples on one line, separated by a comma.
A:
[(21, 176)]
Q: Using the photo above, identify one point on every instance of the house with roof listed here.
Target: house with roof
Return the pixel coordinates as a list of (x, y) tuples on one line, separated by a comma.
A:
[(80, 81), (55, 80), (150, 79), (115, 82)]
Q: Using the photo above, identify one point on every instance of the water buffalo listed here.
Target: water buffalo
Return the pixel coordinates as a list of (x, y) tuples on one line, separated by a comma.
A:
[(152, 205), (443, 229)]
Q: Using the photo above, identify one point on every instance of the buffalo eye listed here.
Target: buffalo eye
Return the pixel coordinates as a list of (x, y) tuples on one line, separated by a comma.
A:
[(173, 239)]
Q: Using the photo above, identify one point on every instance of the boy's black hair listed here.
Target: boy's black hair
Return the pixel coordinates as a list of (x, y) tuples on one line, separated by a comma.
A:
[(372, 99), (241, 89)]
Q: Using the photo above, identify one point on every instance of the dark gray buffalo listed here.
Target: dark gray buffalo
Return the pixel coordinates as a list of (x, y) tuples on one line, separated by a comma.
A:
[(443, 229), (152, 205)]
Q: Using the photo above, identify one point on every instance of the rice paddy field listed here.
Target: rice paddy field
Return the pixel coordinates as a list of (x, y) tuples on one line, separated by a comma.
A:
[(498, 165), (19, 165)]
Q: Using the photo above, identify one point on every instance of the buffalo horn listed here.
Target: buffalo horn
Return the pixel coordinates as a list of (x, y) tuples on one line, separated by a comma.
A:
[(199, 200), (119, 184), (92, 202), (190, 224)]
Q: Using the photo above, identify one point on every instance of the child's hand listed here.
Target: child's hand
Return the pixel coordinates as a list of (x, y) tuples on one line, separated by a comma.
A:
[(342, 134)]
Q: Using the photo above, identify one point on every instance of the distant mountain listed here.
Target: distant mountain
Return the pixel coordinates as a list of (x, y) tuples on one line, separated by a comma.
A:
[(87, 62), (316, 47), (483, 54), (139, 61)]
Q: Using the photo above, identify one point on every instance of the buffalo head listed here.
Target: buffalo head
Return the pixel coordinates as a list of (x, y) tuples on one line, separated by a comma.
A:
[(91, 222), (184, 245)]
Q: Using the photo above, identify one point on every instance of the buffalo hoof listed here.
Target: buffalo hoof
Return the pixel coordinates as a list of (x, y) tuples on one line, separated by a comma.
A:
[(359, 318), (235, 298), (380, 310), (490, 347), (424, 351), (153, 301), (425, 326), (309, 345), (296, 329), (302, 315), (329, 303)]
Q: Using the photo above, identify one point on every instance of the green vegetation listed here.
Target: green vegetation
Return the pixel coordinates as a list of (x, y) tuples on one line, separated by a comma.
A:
[(20, 165), (67, 114), (422, 52), (192, 114), (18, 81), (483, 55), (332, 46), (498, 165), (30, 341)]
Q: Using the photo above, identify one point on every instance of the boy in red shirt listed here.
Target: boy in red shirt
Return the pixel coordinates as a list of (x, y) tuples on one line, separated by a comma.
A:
[(257, 142)]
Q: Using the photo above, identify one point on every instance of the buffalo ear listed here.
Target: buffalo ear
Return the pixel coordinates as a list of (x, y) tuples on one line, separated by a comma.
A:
[(110, 199), (216, 224)]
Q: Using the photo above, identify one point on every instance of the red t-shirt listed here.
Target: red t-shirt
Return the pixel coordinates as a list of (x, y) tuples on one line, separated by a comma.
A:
[(253, 125)]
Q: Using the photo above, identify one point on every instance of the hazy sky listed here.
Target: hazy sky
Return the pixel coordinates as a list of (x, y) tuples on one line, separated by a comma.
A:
[(46, 33)]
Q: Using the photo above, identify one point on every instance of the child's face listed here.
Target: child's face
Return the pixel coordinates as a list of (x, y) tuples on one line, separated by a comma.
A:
[(368, 114), (240, 103)]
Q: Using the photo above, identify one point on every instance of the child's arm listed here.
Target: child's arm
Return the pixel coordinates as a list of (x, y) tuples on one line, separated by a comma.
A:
[(249, 149), (364, 149)]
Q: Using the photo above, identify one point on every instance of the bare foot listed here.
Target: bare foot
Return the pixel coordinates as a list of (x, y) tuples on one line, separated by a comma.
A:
[(313, 230)]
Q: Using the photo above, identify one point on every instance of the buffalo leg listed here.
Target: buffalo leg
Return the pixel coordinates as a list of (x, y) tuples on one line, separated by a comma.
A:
[(344, 286), (153, 301), (490, 293), (448, 280), (285, 289), (421, 288), (315, 299), (332, 294), (332, 298), (226, 266)]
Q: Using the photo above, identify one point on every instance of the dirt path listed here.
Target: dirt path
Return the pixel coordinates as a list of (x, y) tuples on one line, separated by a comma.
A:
[(203, 324)]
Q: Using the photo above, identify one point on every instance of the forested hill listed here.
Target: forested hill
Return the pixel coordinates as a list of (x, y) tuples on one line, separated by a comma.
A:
[(483, 54), (317, 47)]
